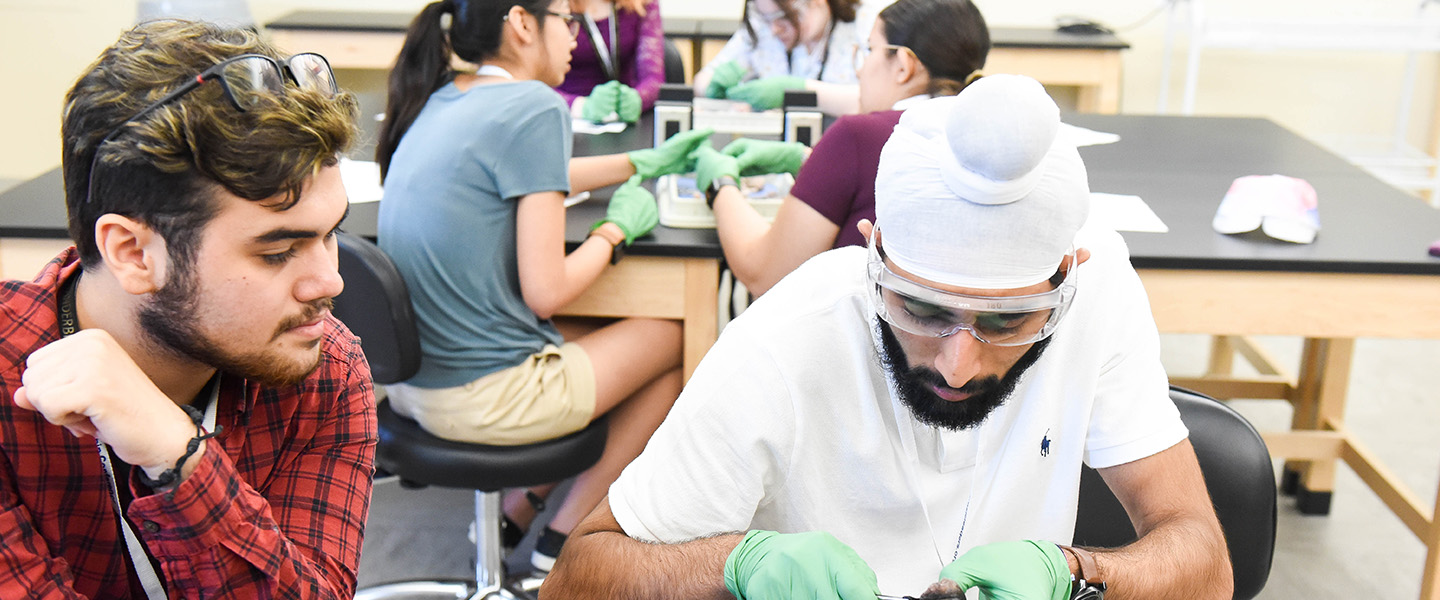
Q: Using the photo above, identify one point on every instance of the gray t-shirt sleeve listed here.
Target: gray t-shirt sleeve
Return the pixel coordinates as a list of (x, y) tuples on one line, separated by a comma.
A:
[(536, 157)]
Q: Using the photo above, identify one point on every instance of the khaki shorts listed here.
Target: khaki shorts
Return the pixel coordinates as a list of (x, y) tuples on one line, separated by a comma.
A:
[(549, 395)]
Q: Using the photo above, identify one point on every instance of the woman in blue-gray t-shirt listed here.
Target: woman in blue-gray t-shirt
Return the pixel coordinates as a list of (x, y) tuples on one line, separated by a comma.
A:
[(476, 169)]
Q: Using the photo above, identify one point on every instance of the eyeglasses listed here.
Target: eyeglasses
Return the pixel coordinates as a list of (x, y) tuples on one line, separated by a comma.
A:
[(998, 320), (778, 15), (569, 19), (248, 80), (861, 50)]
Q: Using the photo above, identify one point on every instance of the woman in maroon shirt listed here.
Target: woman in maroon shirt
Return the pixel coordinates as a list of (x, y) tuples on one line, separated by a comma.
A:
[(917, 49)]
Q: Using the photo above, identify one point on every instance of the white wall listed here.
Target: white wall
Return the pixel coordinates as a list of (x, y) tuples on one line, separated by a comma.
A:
[(44, 46), (47, 43)]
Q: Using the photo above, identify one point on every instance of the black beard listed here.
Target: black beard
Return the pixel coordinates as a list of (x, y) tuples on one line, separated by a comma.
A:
[(169, 319), (913, 384)]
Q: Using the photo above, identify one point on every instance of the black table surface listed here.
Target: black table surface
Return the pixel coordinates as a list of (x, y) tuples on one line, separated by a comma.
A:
[(1181, 166), (1001, 37)]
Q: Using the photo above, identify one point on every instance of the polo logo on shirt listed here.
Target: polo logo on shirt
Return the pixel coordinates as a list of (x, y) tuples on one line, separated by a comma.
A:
[(1045, 444)]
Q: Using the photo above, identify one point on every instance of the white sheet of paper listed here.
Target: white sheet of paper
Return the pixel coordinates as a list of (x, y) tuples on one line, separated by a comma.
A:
[(1080, 136), (362, 180), (1124, 213), (584, 126)]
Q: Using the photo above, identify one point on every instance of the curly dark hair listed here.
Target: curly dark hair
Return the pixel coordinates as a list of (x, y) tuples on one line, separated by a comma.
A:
[(162, 169)]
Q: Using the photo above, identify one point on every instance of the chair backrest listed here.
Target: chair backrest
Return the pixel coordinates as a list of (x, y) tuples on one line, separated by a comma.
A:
[(1239, 475), (376, 307), (674, 65)]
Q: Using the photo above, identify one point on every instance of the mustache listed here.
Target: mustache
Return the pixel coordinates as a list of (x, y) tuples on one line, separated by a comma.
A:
[(929, 377), (312, 310)]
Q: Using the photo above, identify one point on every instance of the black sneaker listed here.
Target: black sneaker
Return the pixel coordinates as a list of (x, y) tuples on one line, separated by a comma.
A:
[(546, 549), (510, 535)]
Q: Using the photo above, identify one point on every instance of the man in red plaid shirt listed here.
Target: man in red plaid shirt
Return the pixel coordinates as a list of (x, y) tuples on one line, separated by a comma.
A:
[(180, 415)]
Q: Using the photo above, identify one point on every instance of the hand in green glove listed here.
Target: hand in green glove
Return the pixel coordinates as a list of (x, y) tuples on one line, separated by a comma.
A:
[(711, 163), (673, 156), (611, 97), (632, 209), (1023, 570), (723, 77), (759, 157), (603, 101), (629, 104), (767, 93), (768, 565)]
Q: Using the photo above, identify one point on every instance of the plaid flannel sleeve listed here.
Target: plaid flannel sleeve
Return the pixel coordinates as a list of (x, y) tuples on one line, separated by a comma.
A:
[(297, 533)]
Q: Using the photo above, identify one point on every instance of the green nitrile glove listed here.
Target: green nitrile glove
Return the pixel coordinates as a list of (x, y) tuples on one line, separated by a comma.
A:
[(603, 100), (711, 163), (629, 104), (723, 77), (673, 156), (632, 209), (759, 157), (768, 565), (1023, 570), (767, 93)]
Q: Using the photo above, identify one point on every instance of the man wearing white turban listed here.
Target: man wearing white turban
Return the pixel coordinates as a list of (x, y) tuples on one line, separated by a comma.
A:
[(919, 410)]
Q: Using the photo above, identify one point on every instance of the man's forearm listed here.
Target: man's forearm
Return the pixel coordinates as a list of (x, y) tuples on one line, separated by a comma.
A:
[(603, 565), (1183, 558)]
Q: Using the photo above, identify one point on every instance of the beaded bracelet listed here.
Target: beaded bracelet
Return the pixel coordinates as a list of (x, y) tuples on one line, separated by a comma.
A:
[(170, 478)]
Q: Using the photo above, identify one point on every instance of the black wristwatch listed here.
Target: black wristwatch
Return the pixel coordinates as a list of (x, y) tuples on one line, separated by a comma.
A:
[(715, 185), (617, 252), (1087, 585)]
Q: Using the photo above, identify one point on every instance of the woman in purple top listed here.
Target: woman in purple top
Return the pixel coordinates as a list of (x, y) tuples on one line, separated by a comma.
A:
[(917, 49), (636, 63)]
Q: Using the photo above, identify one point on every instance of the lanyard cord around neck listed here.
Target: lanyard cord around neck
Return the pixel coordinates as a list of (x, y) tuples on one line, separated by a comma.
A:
[(139, 559), (610, 55), (825, 52), (908, 454)]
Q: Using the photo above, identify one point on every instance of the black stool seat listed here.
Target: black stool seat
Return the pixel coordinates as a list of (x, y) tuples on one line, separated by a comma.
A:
[(418, 457)]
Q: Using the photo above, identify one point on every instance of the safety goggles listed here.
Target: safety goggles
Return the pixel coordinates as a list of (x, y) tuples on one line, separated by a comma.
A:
[(999, 320), (248, 80), (778, 15)]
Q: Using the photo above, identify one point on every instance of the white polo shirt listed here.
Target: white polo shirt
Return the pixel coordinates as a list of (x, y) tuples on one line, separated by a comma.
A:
[(790, 424)]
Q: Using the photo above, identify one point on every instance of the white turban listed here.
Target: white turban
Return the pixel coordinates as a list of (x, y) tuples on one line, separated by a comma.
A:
[(975, 190)]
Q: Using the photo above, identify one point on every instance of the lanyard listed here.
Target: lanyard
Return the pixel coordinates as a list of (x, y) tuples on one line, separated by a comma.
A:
[(824, 52), (610, 56), (494, 71), (138, 557), (908, 454)]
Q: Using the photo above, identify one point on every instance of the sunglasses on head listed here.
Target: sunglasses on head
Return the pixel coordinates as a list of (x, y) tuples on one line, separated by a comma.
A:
[(247, 80)]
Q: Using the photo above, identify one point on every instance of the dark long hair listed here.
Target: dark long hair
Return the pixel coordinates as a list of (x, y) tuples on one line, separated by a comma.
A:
[(423, 66), (842, 11), (948, 36)]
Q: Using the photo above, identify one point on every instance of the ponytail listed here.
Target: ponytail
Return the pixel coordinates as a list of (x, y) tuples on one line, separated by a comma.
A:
[(422, 67), (946, 86), (949, 37)]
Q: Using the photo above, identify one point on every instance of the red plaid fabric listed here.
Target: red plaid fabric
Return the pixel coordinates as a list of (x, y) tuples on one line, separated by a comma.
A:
[(279, 512)]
